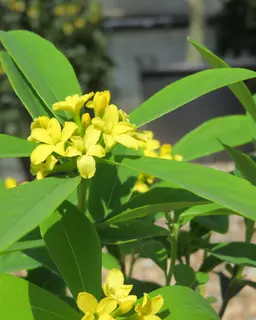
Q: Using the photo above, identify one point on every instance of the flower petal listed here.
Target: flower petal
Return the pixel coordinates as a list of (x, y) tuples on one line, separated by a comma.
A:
[(101, 101), (86, 166), (126, 306), (106, 305), (109, 141), (156, 304), (50, 163), (86, 120), (123, 291), (88, 316), (40, 135), (40, 122), (68, 130), (97, 151), (40, 153), (10, 183), (60, 148), (87, 302), (105, 316), (123, 127), (54, 130), (140, 187), (115, 279), (63, 106), (127, 141), (151, 317), (111, 117), (91, 137), (72, 152), (165, 149), (178, 157)]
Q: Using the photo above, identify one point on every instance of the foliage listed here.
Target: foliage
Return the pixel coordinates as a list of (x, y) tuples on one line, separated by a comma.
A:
[(85, 210)]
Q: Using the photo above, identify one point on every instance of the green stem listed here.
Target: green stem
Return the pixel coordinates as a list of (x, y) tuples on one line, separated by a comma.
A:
[(174, 233), (81, 195)]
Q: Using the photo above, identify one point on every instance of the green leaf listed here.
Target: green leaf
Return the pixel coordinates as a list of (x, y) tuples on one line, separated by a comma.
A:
[(24, 245), (233, 130), (158, 199), (156, 251), (79, 260), (185, 90), (107, 197), (244, 164), (47, 280), (184, 275), (51, 84), (24, 207), (129, 231), (23, 89), (140, 287), (202, 278), (183, 303), (240, 253), (15, 261), (224, 188), (12, 147), (109, 262), (211, 209), (239, 89), (31, 302), (217, 223)]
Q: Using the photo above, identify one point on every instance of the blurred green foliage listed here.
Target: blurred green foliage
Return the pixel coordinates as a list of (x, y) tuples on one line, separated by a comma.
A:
[(74, 27)]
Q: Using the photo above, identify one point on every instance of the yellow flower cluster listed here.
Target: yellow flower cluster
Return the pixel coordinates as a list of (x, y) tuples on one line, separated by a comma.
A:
[(152, 148), (84, 138), (10, 183), (118, 301)]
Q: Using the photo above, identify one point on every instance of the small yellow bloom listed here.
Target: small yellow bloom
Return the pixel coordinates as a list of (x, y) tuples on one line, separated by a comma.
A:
[(115, 288), (60, 10), (68, 28), (149, 307), (100, 102), (165, 151), (114, 131), (88, 148), (53, 139), (94, 309), (10, 183), (80, 22), (150, 146), (86, 120), (41, 170), (178, 157), (73, 104), (141, 187)]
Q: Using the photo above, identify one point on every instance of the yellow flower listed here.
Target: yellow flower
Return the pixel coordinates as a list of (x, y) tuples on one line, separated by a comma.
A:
[(165, 151), (88, 148), (149, 307), (60, 10), (115, 288), (100, 102), (178, 157), (10, 183), (114, 131), (68, 28), (141, 187), (73, 104), (94, 309), (80, 22), (86, 120), (150, 147), (41, 170), (51, 136)]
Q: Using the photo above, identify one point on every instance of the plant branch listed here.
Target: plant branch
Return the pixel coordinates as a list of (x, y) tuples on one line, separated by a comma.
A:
[(81, 195)]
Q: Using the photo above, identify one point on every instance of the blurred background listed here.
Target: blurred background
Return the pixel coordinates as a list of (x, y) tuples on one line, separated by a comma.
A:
[(135, 48)]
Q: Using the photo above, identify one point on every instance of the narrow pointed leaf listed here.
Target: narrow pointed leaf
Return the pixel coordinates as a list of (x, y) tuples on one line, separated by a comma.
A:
[(20, 299), (239, 89), (12, 147), (224, 188), (185, 90), (51, 84), (23, 89), (24, 207), (205, 139), (79, 260)]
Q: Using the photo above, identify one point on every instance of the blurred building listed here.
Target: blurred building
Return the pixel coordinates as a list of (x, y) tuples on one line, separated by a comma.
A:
[(147, 41)]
